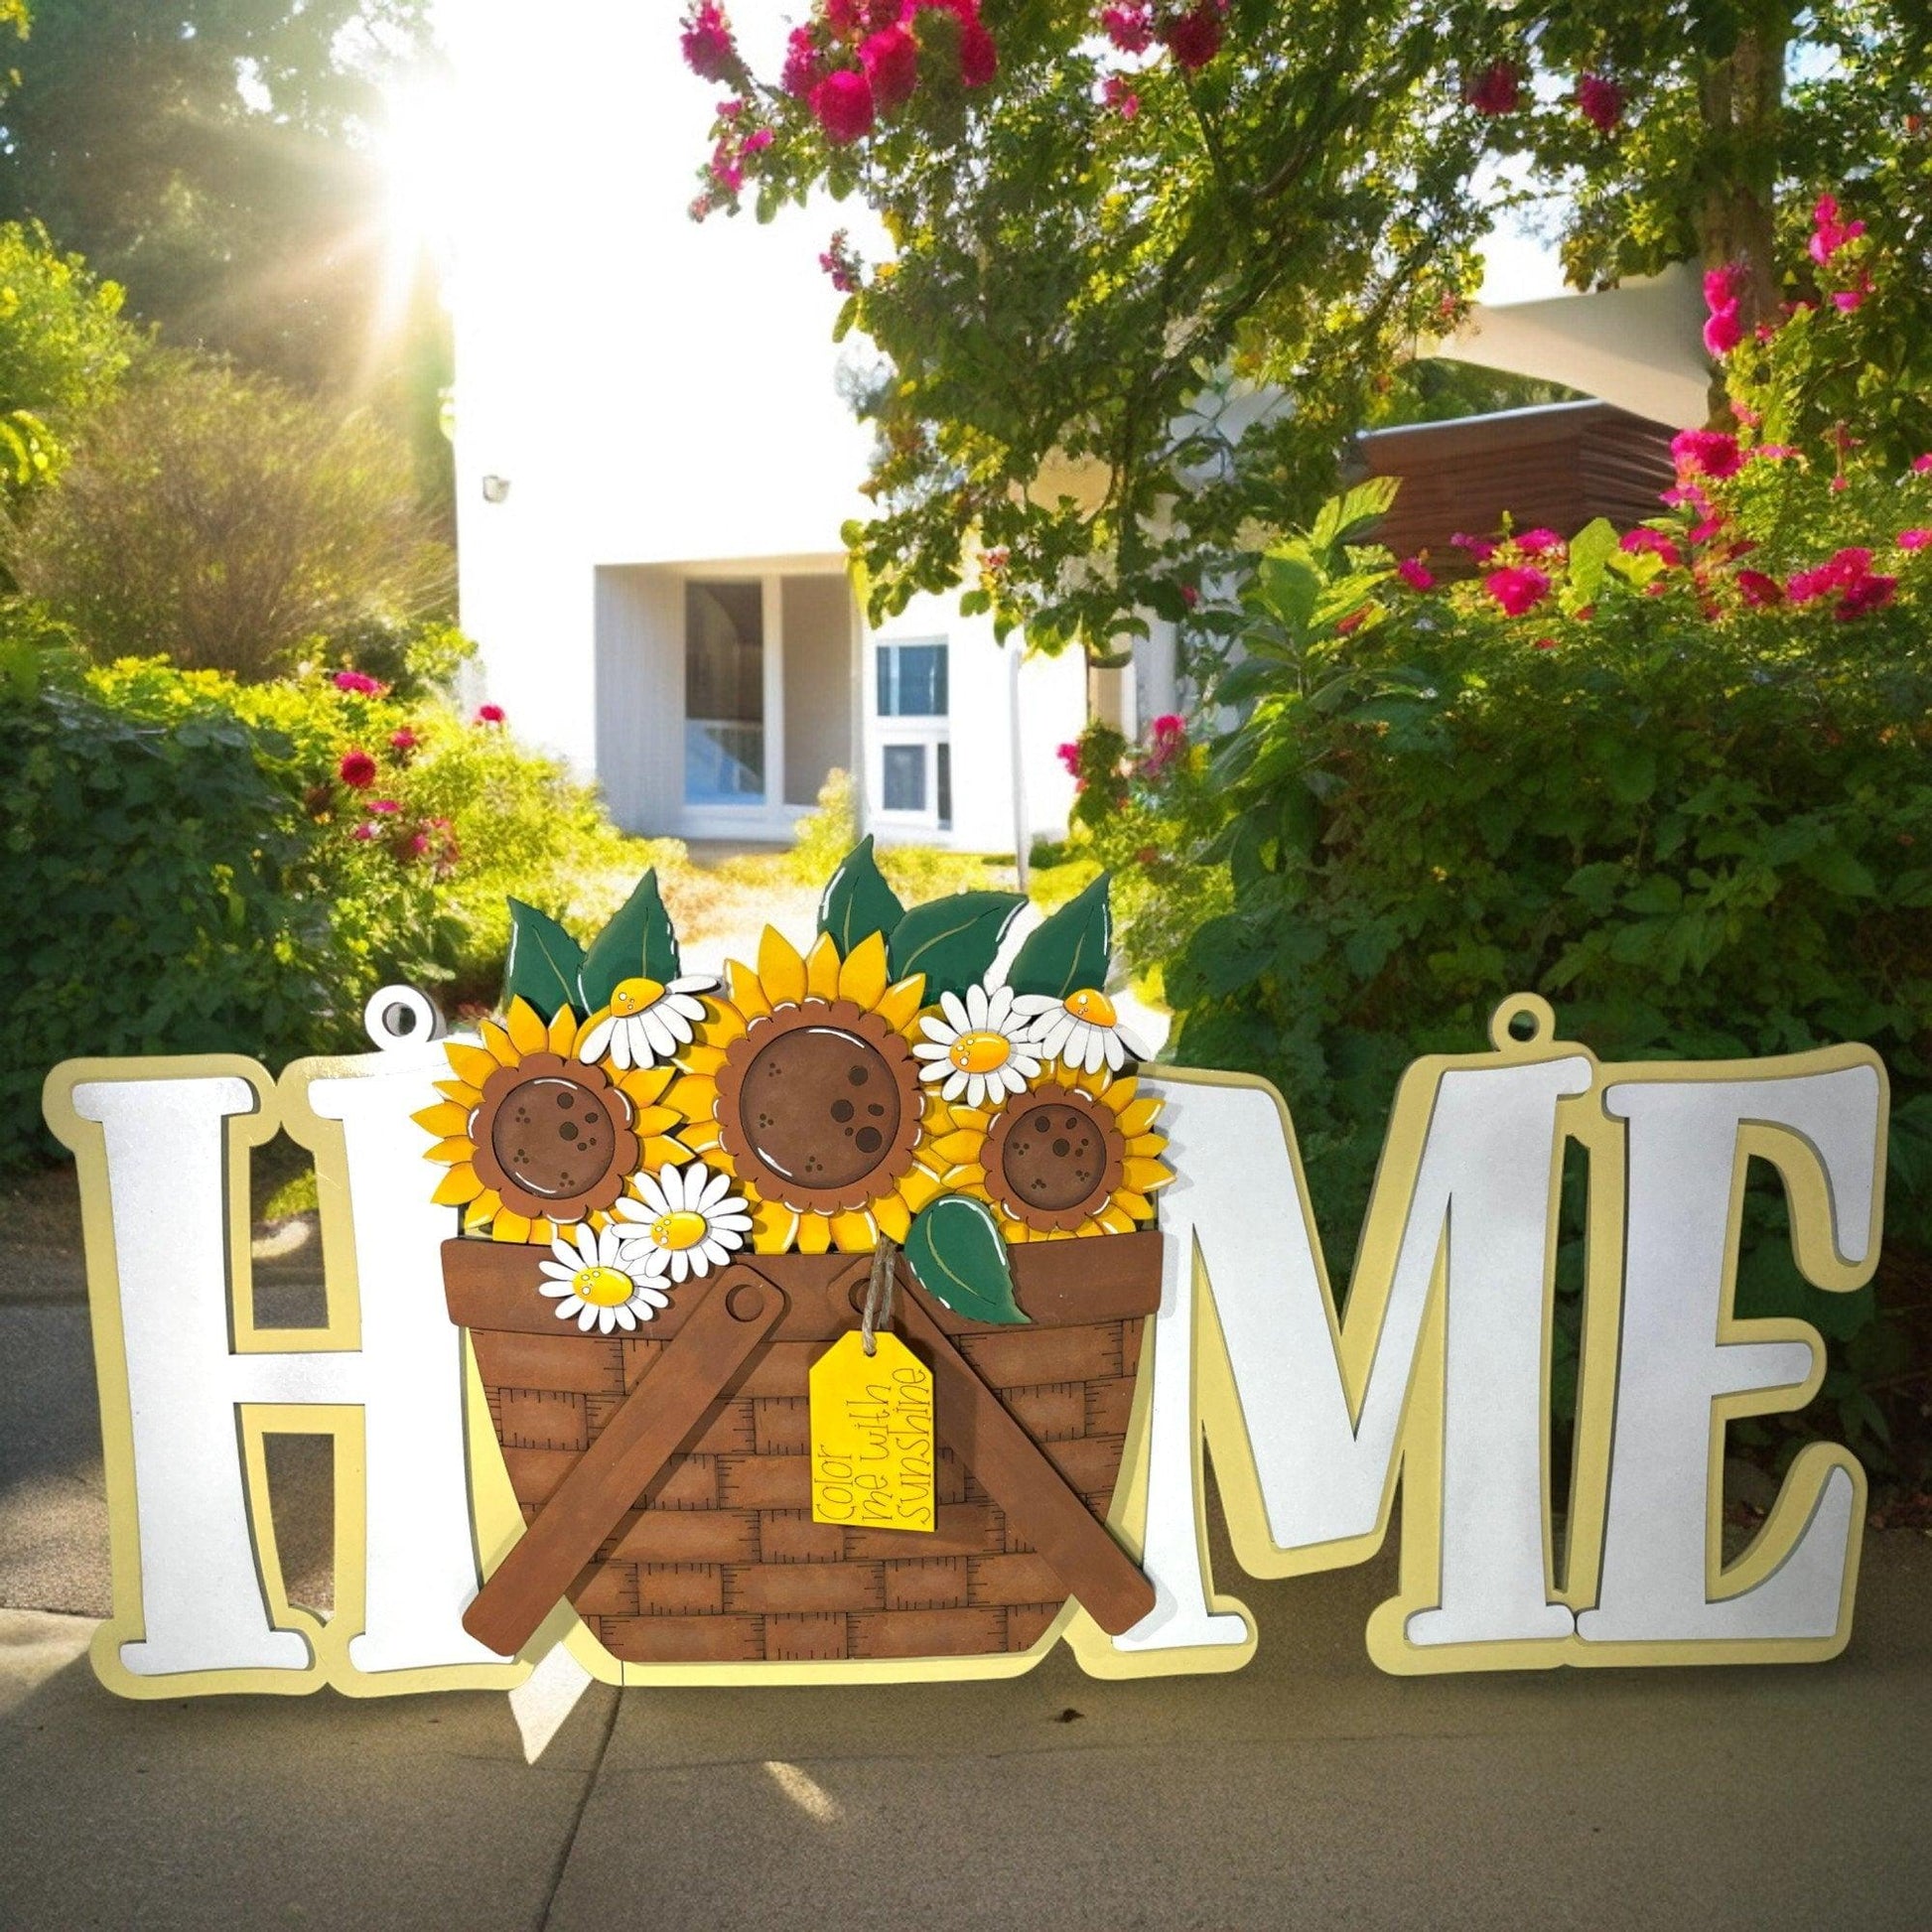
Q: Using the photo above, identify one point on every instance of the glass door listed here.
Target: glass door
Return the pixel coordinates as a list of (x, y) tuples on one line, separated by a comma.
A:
[(912, 711), (724, 693)]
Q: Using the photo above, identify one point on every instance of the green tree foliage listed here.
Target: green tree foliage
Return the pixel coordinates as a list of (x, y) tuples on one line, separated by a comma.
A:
[(210, 157), (1108, 239), (231, 524)]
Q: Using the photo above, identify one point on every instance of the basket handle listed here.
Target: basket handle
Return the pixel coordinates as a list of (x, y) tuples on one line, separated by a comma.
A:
[(641, 1436), (1020, 1479)]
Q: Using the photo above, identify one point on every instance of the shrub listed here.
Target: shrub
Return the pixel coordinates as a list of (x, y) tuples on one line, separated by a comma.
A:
[(205, 864), (231, 524)]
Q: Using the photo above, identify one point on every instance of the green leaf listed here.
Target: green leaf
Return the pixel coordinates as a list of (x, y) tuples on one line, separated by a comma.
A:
[(1349, 519), (955, 1250), (637, 943), (951, 941), (544, 961), (1069, 950), (1591, 551), (858, 903)]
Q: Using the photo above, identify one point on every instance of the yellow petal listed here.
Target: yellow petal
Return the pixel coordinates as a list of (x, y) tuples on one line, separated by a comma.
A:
[(459, 1185), (722, 1023), (647, 1084), (695, 1096), (856, 1232), (464, 1095), (781, 972), (470, 1064), (1140, 1175), (958, 1147), (563, 1032), (447, 1153), (542, 1234), (502, 1048), (655, 1120), (1136, 1206), (659, 1152), (899, 1006), (773, 1227), (917, 1186), (704, 1059), (895, 1217), (510, 1227), (814, 1235), (445, 1117), (822, 968), (970, 1120), (488, 1202), (1114, 1219), (1138, 1117), (968, 1177), (1118, 1094), (863, 976), (1014, 1231), (525, 1025), (748, 996), (699, 1133)]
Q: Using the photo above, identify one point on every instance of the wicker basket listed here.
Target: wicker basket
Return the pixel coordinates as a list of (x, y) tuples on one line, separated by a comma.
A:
[(720, 1560)]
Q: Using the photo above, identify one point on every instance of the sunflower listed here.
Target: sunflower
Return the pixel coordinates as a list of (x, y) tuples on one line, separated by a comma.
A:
[(536, 1141), (1076, 1154), (802, 1086)]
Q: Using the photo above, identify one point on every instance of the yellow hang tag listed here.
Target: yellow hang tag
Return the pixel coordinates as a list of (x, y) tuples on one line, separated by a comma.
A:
[(872, 1436)]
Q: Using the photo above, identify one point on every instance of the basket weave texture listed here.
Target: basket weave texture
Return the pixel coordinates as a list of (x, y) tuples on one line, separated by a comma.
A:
[(719, 1561)]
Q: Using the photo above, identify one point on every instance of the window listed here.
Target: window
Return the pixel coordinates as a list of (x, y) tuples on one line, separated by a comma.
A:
[(905, 777), (912, 680), (942, 762), (724, 694)]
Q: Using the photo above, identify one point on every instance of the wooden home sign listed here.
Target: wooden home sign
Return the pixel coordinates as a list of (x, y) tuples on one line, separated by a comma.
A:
[(863, 1314)]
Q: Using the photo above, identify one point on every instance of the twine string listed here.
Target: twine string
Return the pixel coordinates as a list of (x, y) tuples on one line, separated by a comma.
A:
[(879, 1292)]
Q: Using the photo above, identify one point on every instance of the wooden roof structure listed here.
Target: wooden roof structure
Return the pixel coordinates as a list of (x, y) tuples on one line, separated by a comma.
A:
[(1556, 466)]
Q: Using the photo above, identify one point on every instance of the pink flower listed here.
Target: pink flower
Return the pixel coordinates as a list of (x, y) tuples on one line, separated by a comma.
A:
[(1848, 572), (1189, 595), (1636, 543), (1480, 549), (1722, 331), (1600, 102), (1914, 539), (387, 805), (1069, 755), (1847, 301), (1772, 452), (978, 57), (1539, 542), (365, 830), (1839, 483), (1169, 740), (1757, 590), (405, 742), (842, 105), (726, 172), (804, 65), (1119, 94), (489, 714), (1130, 28), (1828, 234), (1724, 291), (892, 63), (1546, 644), (356, 770), (1416, 574), (1870, 593), (1922, 465), (1518, 587), (707, 42), (757, 141), (361, 682), (839, 262), (1706, 453), (729, 108), (1195, 36), (1497, 90)]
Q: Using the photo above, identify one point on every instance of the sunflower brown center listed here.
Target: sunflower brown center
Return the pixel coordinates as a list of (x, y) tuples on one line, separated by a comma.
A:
[(554, 1137), (819, 1106), (1053, 1154)]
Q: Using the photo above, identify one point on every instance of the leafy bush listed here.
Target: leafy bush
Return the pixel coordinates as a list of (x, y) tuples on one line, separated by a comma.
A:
[(1676, 782), (205, 864), (231, 524)]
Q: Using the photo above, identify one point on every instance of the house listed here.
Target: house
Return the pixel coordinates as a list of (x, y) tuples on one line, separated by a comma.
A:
[(653, 460)]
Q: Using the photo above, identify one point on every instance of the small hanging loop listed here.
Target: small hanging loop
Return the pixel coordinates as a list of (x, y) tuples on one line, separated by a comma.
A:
[(399, 1016), (879, 1292), (1522, 1022)]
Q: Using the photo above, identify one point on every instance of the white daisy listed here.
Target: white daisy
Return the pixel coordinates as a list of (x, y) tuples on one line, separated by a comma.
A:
[(683, 1221), (979, 1048), (1083, 1030), (645, 1022), (589, 1280)]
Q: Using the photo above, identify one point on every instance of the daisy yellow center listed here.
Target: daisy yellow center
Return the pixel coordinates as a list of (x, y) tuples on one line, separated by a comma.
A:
[(1092, 1005), (683, 1227), (602, 1287), (980, 1053), (634, 996)]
